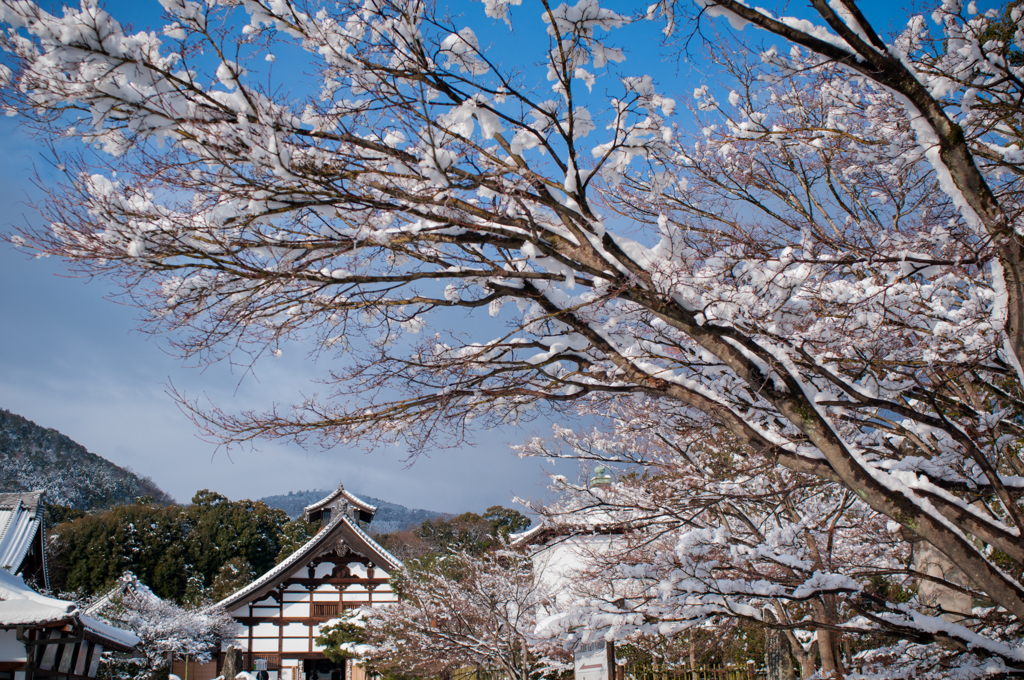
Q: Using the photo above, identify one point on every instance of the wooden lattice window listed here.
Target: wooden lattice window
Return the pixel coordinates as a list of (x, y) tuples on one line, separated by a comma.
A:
[(323, 609)]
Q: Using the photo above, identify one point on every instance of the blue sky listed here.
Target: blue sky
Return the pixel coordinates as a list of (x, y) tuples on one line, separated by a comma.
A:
[(70, 358)]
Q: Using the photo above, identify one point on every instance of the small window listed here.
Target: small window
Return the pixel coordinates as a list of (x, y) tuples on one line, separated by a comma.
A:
[(325, 609), (327, 516)]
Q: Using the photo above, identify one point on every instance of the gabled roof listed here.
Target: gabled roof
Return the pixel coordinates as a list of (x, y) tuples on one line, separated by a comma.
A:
[(366, 510), (21, 519), (341, 527), (128, 586)]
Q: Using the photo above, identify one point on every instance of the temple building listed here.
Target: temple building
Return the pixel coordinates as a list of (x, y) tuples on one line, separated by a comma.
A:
[(43, 638), (280, 613), (22, 537)]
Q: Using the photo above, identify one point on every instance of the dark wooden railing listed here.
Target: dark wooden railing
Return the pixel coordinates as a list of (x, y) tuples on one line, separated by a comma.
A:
[(325, 609), (273, 660), (719, 672)]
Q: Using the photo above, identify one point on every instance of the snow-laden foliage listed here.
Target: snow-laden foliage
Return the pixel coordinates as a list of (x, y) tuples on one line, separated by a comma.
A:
[(464, 610), (711, 533), (821, 255), (163, 626)]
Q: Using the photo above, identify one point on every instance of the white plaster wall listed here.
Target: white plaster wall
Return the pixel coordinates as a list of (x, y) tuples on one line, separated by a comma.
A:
[(264, 630), (296, 645), (264, 645), (296, 629), (296, 610), (11, 648), (558, 568)]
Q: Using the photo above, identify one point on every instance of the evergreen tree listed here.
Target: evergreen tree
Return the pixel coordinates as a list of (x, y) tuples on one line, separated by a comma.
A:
[(179, 552)]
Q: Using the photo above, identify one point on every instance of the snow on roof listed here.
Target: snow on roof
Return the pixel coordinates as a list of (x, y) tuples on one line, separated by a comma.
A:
[(340, 525), (340, 491), (572, 522), (20, 605), (391, 561), (108, 632), (21, 516), (527, 537), (128, 585)]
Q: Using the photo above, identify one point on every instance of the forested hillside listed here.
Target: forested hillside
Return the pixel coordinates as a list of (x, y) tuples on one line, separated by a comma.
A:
[(390, 517), (36, 457)]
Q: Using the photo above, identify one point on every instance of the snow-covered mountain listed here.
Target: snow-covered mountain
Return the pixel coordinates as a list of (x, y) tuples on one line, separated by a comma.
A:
[(37, 457), (389, 517)]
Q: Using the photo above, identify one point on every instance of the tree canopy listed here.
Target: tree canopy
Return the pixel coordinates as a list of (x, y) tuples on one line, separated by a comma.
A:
[(184, 554), (806, 281)]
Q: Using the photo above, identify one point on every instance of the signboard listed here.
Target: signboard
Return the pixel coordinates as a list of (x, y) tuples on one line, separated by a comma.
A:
[(591, 661), (260, 665)]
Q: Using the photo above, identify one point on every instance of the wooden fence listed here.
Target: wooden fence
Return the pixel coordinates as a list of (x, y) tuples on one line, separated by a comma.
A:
[(730, 671)]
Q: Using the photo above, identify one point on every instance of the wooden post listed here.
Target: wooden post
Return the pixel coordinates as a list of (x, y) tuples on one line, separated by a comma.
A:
[(30, 652), (609, 648)]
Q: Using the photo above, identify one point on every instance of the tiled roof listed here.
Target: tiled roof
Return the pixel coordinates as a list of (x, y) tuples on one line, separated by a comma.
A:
[(21, 518)]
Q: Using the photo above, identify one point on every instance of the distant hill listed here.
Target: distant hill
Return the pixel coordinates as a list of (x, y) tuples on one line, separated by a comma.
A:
[(389, 516), (37, 457)]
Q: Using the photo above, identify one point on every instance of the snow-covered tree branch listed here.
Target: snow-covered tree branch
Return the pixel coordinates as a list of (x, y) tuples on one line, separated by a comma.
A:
[(820, 256), (465, 610)]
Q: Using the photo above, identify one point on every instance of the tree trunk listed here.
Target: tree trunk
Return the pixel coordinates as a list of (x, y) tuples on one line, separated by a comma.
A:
[(952, 605), (828, 641)]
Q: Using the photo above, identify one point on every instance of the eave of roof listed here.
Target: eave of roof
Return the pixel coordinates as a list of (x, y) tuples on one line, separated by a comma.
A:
[(341, 527), (542, 534), (108, 635), (529, 536), (22, 606)]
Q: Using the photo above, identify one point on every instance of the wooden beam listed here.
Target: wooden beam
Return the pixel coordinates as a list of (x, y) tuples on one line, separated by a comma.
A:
[(333, 580), (253, 621)]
